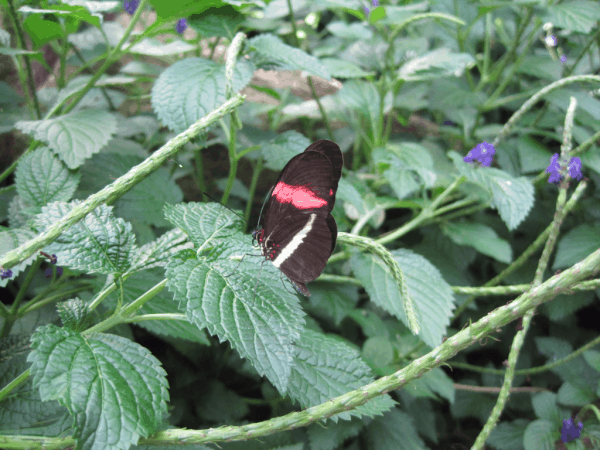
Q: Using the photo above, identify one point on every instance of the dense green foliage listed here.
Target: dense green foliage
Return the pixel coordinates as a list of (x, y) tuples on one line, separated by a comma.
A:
[(459, 309)]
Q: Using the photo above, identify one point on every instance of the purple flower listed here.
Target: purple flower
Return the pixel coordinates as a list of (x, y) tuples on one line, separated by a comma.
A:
[(130, 5), (575, 168), (374, 4), (569, 431), (181, 25), (59, 271), (5, 273), (563, 58), (554, 170), (484, 153)]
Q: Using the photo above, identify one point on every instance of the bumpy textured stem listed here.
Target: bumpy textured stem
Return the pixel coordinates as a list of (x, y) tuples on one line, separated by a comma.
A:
[(385, 255), (472, 334), (517, 343), (119, 186)]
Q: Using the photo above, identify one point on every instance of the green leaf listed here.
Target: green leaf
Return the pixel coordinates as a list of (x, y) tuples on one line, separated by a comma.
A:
[(433, 382), (512, 197), (508, 435), (545, 407), (570, 394), (327, 367), (219, 292), (344, 69), (193, 87), (481, 237), (378, 352), (272, 54), (74, 136), (74, 314), (258, 323), (278, 151), (576, 245), (562, 306), (161, 303), (394, 431), (222, 24), (578, 15), (332, 300), (204, 223), (540, 435), (436, 64), (592, 357), (158, 252), (220, 404), (11, 239), (42, 178), (354, 31), (145, 201), (332, 436), (23, 411), (157, 48), (533, 155), (115, 390), (99, 243), (432, 297), (577, 372)]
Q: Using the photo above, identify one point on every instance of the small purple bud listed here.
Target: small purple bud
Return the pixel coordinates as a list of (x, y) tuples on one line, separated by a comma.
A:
[(569, 431), (374, 3), (48, 273), (563, 58), (130, 5), (5, 273), (575, 168), (367, 10), (181, 25), (483, 152), (554, 170)]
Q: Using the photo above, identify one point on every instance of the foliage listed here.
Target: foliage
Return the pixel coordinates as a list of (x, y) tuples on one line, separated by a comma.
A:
[(471, 175)]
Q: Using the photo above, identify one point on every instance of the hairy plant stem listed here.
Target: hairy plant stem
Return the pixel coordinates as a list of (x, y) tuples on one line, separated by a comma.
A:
[(470, 335), (519, 338)]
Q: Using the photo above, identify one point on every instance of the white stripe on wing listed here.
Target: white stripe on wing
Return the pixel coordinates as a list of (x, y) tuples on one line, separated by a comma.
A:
[(295, 242)]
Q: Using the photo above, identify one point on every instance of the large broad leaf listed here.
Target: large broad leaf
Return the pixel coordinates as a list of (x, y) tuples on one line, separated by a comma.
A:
[(540, 435), (508, 435), (74, 136), (193, 87), (333, 436), (578, 15), (145, 201), (394, 431), (277, 152), (42, 178), (512, 197), (161, 303), (272, 54), (11, 239), (576, 245), (325, 368), (436, 64), (481, 237), (158, 252), (432, 296), (115, 390), (344, 69), (23, 411), (99, 243), (240, 302)]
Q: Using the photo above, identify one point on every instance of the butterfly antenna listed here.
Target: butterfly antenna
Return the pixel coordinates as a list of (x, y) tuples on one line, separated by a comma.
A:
[(263, 206), (209, 196)]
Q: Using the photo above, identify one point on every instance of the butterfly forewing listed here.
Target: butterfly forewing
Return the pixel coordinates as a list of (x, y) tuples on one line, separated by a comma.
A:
[(299, 233)]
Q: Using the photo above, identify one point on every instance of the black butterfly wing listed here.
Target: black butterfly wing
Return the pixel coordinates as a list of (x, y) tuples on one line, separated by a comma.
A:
[(307, 183), (302, 243)]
